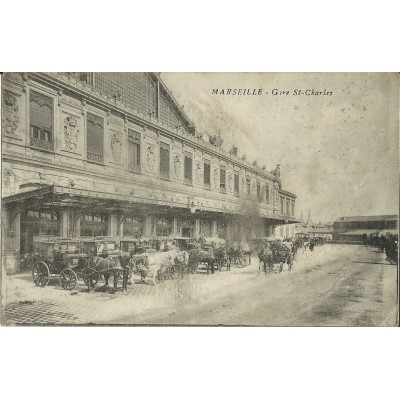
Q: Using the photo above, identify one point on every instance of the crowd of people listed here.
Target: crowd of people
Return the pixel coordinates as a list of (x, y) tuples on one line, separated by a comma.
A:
[(387, 244)]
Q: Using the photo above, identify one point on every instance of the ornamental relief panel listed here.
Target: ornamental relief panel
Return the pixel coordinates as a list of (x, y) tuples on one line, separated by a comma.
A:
[(199, 172), (178, 166), (215, 178), (151, 159), (71, 133), (116, 147), (243, 184), (11, 113), (230, 182)]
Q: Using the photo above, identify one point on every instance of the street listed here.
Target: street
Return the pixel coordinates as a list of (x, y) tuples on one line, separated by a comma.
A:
[(335, 285)]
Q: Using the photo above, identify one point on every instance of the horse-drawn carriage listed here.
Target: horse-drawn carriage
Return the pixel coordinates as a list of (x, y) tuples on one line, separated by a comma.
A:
[(274, 257), (69, 260), (239, 257), (56, 258)]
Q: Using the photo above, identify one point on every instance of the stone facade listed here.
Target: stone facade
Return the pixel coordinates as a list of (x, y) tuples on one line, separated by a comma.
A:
[(126, 163)]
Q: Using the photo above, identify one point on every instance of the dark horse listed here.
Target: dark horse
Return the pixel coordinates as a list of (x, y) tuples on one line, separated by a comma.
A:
[(95, 266), (197, 256), (265, 257)]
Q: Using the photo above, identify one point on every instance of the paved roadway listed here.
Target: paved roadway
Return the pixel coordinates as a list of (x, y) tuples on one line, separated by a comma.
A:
[(336, 285)]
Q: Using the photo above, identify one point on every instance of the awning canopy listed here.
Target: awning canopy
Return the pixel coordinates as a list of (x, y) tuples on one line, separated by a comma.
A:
[(89, 201)]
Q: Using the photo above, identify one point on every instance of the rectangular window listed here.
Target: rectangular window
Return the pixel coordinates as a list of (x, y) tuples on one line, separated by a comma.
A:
[(164, 160), (236, 184), (95, 138), (188, 169), (267, 193), (41, 121), (163, 227), (205, 227), (222, 180), (207, 174), (282, 205), (133, 226), (248, 193), (287, 206), (258, 191), (221, 230), (292, 207), (94, 225), (133, 151)]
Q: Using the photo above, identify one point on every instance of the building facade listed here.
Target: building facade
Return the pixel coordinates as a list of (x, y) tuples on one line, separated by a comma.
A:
[(104, 154), (353, 229)]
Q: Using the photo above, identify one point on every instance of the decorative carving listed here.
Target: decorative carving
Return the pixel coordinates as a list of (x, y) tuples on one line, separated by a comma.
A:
[(215, 180), (216, 140), (71, 133), (230, 182), (243, 185), (199, 172), (116, 147), (10, 113), (277, 171), (178, 166), (59, 93), (151, 158)]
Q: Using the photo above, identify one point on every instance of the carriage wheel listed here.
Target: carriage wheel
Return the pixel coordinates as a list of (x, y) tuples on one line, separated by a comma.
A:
[(241, 262), (114, 276), (68, 279), (158, 277), (93, 278), (40, 273)]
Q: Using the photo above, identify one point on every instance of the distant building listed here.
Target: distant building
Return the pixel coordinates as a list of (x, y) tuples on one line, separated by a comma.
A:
[(353, 228), (314, 230)]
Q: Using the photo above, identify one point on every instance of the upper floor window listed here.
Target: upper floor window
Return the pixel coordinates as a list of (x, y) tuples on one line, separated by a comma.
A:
[(236, 184), (258, 191), (188, 169), (133, 151), (292, 207), (95, 138), (207, 174), (164, 160), (287, 206), (248, 192), (41, 121), (267, 193), (282, 205), (222, 180)]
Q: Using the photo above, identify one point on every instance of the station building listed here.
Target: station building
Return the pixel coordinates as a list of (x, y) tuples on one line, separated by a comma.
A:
[(353, 229), (113, 154)]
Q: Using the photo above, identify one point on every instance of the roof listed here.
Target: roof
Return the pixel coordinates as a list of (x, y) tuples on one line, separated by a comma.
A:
[(368, 218), (287, 193), (359, 232)]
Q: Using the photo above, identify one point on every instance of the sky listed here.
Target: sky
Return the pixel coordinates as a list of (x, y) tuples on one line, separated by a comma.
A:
[(339, 154)]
